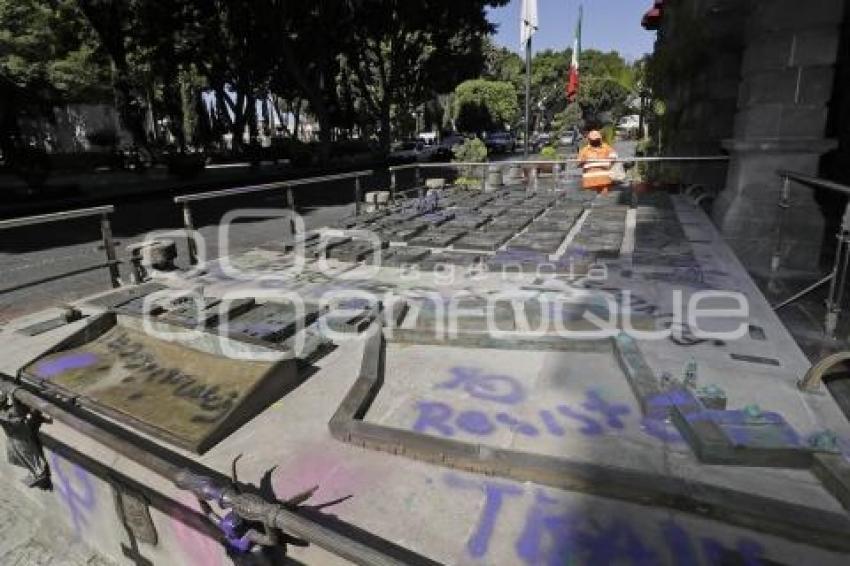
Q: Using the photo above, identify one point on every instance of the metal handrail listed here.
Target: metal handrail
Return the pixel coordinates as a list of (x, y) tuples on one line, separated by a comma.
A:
[(56, 216), (838, 277), (205, 482), (105, 231), (228, 192), (553, 161), (185, 200), (814, 181), (486, 165), (267, 187)]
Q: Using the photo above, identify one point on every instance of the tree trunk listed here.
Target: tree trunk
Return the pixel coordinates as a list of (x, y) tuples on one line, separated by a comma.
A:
[(107, 20), (296, 124), (385, 135), (325, 134)]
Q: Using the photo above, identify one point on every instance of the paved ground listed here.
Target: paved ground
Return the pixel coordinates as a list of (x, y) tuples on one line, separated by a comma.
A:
[(23, 541)]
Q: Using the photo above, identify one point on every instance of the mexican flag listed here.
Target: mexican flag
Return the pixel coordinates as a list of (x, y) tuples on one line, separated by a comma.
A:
[(573, 82)]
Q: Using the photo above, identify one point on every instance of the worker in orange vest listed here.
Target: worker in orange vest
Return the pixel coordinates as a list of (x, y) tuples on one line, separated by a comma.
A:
[(596, 161)]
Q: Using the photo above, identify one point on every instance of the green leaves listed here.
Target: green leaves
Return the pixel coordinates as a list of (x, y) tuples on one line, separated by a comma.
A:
[(482, 105)]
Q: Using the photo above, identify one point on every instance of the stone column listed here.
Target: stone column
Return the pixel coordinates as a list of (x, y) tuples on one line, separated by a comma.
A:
[(786, 85)]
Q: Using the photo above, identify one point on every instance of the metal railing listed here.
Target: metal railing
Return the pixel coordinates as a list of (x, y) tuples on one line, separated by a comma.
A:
[(558, 165), (106, 235), (288, 186), (838, 277)]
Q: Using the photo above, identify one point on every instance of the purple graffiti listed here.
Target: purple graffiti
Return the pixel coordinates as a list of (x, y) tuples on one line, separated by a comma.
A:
[(738, 425), (548, 536), (494, 496), (64, 363), (611, 411), (747, 552), (475, 422), (489, 387), (78, 495), (235, 532), (442, 419), (551, 424), (517, 425), (656, 423), (679, 543), (661, 430), (590, 428), (614, 544), (553, 534), (433, 415)]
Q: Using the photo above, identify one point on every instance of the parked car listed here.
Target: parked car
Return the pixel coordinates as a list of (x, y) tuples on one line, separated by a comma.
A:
[(411, 150), (539, 141), (569, 138), (500, 142), (443, 151), (430, 149), (628, 125)]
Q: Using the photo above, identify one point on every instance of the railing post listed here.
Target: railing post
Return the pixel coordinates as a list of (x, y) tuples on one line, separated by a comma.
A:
[(836, 286), (417, 177), (290, 204), (109, 246), (392, 184), (483, 178), (357, 195), (784, 204), (190, 234)]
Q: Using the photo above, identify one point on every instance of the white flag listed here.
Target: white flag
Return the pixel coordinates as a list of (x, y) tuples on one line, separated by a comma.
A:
[(528, 21)]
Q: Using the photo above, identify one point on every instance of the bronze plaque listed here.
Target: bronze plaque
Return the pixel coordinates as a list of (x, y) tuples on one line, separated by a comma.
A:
[(183, 395)]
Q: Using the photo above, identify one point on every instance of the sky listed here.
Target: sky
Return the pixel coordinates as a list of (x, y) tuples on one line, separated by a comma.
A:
[(608, 25)]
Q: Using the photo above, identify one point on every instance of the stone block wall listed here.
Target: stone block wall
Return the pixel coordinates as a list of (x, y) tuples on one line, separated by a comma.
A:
[(701, 94), (787, 79)]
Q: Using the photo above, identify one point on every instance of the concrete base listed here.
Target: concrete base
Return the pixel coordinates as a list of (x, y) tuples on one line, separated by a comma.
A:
[(747, 211)]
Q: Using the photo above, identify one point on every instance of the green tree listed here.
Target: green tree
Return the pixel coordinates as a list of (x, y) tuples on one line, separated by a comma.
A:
[(48, 48), (568, 119), (481, 105), (403, 54), (502, 64), (48, 55)]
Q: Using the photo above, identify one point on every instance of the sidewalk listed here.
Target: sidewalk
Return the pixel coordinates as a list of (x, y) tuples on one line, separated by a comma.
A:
[(25, 540)]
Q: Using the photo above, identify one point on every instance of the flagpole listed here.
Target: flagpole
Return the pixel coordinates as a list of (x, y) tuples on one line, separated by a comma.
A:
[(527, 93)]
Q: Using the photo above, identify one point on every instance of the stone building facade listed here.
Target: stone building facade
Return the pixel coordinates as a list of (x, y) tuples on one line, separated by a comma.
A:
[(763, 80)]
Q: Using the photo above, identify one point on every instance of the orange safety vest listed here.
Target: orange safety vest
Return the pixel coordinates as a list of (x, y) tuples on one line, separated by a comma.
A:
[(596, 165)]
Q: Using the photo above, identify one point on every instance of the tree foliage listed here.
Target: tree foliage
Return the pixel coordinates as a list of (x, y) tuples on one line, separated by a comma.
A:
[(607, 82), (363, 65), (481, 105), (48, 49)]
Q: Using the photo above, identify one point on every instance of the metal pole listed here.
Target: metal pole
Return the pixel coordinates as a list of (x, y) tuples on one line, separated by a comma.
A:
[(109, 246), (784, 204), (527, 95), (417, 179), (392, 184), (836, 288), (190, 234), (483, 178), (802, 293), (357, 195), (290, 204)]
